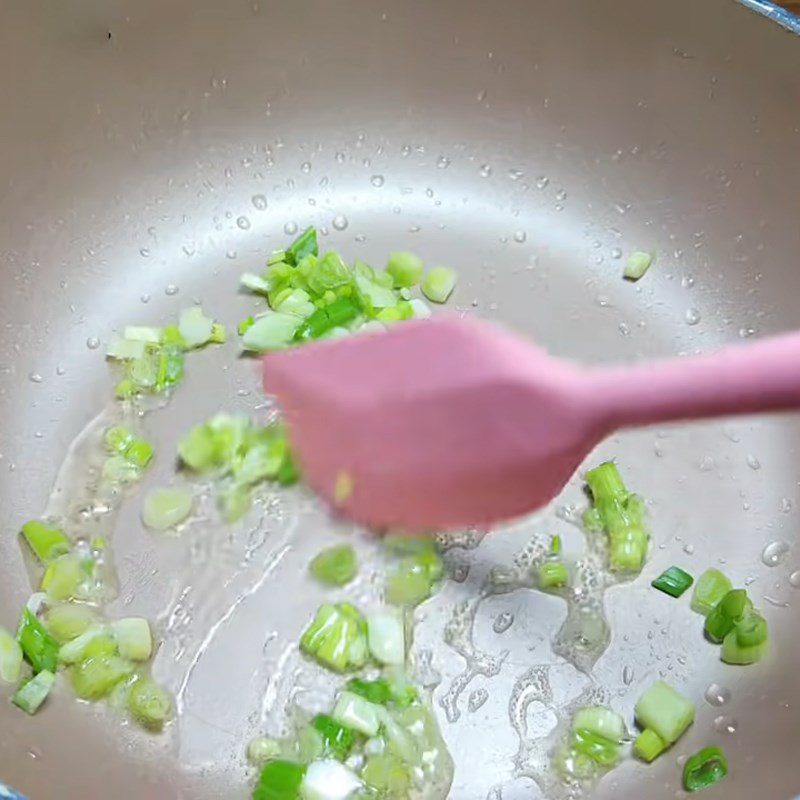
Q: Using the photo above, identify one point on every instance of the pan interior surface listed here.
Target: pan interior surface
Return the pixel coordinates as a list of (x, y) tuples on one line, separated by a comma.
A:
[(153, 152)]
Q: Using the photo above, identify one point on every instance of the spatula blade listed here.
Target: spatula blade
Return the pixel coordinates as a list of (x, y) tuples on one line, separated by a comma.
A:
[(436, 424)]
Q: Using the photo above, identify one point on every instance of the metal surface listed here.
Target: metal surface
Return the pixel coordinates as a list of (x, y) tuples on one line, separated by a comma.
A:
[(523, 143)]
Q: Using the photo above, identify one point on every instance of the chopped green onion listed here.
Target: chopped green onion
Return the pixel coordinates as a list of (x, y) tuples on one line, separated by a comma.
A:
[(748, 642), (622, 517), (335, 566), (405, 268), (125, 349), (139, 453), (357, 713), (438, 284), (600, 721), (272, 331), (419, 308), (337, 740), (261, 749), (665, 711), (386, 636), (165, 508), (118, 469), (288, 474), (171, 336), (134, 640), (118, 439), (253, 283), (280, 780), (552, 575), (378, 691), (555, 546), (143, 333), (304, 245), (413, 578), (219, 333), (328, 274), (96, 637), (39, 647), (63, 577), (649, 745), (329, 780), (638, 264), (597, 748), (10, 657), (374, 289), (388, 775), (32, 693), (195, 327), (673, 581), (337, 637), (46, 542), (339, 312), (704, 769), (297, 302), (149, 704), (722, 619), (96, 676), (245, 325), (710, 588), (67, 621)]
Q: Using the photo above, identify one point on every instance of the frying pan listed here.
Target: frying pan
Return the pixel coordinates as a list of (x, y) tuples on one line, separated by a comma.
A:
[(153, 151)]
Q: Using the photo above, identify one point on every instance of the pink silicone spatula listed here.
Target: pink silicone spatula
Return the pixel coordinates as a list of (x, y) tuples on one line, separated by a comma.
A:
[(445, 423)]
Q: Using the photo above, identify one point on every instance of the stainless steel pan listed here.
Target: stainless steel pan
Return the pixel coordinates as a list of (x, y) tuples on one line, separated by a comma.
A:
[(150, 151)]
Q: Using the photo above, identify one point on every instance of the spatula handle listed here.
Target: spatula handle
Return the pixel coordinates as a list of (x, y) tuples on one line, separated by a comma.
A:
[(739, 379)]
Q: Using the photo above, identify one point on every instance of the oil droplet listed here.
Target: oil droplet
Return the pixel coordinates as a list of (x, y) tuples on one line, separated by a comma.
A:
[(542, 181), (505, 619), (305, 167), (794, 579), (377, 181), (725, 724), (746, 333), (520, 236), (687, 281), (340, 222), (515, 174), (616, 252), (688, 549), (561, 195), (35, 377), (477, 698), (753, 462), (786, 505), (259, 201), (144, 252), (61, 370), (485, 171), (243, 223), (171, 289), (692, 316), (707, 464), (775, 553), (717, 695), (290, 228), (93, 343), (627, 675), (773, 601), (145, 298), (624, 328), (231, 254), (443, 162)]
